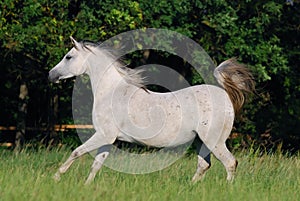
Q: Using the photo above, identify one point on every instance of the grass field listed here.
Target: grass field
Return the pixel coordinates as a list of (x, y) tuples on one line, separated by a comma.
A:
[(28, 176)]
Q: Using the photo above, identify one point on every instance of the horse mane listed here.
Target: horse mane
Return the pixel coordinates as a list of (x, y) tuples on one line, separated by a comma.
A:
[(131, 76)]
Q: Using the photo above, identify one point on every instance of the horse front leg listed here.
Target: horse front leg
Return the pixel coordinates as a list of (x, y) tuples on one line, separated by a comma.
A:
[(102, 154), (91, 144)]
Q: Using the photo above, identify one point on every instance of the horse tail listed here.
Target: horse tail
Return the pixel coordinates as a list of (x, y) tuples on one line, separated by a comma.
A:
[(237, 81)]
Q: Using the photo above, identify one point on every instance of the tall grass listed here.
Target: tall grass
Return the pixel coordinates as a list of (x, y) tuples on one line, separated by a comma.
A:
[(28, 176)]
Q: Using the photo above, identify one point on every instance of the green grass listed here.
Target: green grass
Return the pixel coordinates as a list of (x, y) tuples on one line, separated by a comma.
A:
[(28, 176)]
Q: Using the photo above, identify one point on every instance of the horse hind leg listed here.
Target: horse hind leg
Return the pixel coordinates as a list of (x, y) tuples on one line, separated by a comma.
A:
[(203, 160), (225, 156)]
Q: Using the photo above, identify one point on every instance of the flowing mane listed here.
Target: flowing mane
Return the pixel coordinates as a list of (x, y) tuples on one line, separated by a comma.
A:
[(131, 76)]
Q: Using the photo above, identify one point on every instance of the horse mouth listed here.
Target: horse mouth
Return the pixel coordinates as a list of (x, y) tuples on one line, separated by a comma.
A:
[(55, 77)]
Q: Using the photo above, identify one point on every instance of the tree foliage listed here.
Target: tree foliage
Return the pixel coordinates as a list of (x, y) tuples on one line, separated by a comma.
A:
[(34, 35)]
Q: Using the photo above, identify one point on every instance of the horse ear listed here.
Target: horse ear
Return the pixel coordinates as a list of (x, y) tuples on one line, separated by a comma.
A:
[(74, 42)]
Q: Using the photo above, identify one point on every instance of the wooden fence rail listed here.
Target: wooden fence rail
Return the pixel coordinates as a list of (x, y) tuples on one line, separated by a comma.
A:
[(62, 127)]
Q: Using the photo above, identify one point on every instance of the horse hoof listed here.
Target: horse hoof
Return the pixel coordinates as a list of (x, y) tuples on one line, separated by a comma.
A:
[(56, 177)]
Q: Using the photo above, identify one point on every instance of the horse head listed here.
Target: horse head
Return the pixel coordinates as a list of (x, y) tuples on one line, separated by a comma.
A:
[(72, 64)]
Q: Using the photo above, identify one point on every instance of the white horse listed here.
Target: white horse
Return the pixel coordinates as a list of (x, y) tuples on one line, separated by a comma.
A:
[(203, 111)]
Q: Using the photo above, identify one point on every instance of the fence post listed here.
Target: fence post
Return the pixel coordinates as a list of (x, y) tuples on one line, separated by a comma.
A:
[(21, 116)]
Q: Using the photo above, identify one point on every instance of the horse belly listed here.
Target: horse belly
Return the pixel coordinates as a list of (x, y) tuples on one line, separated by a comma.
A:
[(162, 120)]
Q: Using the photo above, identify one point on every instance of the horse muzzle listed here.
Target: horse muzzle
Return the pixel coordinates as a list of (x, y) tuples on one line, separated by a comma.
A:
[(53, 76)]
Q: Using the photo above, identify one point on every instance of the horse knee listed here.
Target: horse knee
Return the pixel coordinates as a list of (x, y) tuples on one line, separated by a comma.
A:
[(99, 160), (75, 154)]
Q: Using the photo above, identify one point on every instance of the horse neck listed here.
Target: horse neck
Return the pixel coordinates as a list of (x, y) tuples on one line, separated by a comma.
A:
[(104, 76)]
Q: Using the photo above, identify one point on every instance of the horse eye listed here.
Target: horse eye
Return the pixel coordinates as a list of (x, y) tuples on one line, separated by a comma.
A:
[(68, 57)]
